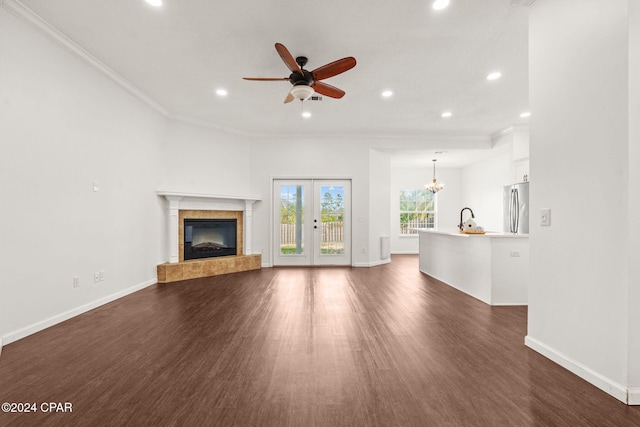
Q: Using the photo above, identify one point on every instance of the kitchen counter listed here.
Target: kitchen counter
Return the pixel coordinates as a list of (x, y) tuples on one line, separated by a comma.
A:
[(492, 267), (457, 233)]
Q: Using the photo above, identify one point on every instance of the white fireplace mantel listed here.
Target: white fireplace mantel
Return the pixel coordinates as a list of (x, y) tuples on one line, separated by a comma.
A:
[(195, 201)]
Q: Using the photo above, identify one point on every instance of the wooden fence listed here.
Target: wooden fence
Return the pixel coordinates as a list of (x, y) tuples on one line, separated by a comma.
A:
[(331, 232), (406, 227)]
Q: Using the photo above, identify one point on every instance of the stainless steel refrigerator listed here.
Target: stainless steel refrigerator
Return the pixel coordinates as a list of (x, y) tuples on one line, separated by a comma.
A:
[(515, 202)]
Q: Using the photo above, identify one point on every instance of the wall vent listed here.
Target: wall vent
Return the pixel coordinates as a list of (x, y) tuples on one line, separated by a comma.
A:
[(385, 247)]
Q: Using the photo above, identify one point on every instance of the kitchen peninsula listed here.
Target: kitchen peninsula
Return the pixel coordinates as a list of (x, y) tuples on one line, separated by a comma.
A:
[(492, 267)]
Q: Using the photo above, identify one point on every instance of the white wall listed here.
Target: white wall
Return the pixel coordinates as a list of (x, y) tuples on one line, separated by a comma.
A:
[(482, 188), (448, 202), (203, 160), (379, 194), (578, 298), (62, 126)]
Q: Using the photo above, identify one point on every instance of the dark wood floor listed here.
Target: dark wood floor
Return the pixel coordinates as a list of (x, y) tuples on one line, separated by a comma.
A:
[(382, 346)]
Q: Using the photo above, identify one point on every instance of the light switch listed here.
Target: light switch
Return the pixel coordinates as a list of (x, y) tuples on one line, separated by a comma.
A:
[(545, 217), (96, 186)]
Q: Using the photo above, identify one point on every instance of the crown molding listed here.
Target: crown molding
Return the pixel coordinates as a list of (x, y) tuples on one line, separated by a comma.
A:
[(210, 125), (26, 15), (509, 130), (365, 137)]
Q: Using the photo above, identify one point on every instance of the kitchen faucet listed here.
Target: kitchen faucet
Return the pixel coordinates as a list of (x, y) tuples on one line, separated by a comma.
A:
[(460, 226)]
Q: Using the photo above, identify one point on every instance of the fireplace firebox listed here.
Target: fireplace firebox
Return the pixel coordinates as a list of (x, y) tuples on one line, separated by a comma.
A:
[(206, 238)]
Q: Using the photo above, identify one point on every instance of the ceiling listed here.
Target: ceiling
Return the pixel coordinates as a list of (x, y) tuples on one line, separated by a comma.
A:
[(433, 61)]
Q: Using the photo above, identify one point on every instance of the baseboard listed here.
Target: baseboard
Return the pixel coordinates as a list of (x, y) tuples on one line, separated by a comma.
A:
[(404, 253), (634, 396), (357, 264), (605, 384), (510, 304), (371, 264), (46, 323)]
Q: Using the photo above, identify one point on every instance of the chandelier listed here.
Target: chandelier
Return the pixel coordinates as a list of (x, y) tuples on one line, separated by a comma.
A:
[(434, 186)]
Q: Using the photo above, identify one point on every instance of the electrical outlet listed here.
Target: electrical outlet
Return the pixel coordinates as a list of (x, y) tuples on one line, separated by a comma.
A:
[(96, 277), (76, 281), (101, 274), (515, 253)]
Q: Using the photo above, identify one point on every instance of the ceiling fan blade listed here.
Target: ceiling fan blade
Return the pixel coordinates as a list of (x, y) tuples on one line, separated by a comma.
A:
[(327, 90), (334, 68), (288, 59), (266, 79), (289, 98)]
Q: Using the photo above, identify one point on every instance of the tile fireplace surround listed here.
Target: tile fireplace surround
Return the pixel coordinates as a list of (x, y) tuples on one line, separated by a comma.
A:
[(191, 205)]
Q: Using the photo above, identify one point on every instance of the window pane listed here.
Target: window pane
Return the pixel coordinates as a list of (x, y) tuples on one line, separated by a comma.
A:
[(291, 219), (332, 219), (417, 210)]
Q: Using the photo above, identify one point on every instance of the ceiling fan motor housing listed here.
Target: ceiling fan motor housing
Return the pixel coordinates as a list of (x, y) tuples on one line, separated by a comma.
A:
[(305, 78)]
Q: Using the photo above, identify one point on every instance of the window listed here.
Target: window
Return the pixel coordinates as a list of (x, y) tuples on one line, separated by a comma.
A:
[(417, 210)]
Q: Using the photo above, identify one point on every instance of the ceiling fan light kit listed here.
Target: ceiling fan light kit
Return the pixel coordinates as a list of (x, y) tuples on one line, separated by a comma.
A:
[(302, 92), (306, 83)]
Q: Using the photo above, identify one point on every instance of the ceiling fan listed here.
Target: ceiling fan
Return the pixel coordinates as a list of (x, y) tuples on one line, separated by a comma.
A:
[(304, 82)]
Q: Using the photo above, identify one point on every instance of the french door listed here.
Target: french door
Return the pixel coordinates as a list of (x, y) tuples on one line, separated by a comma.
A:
[(312, 222)]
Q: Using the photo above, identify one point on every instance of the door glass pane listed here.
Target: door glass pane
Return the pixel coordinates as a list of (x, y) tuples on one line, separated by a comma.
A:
[(291, 219), (332, 219)]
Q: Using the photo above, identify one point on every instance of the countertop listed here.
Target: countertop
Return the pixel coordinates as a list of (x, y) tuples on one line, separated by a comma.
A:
[(455, 232)]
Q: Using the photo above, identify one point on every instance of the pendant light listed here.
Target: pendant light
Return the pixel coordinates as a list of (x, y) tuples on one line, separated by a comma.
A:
[(434, 186)]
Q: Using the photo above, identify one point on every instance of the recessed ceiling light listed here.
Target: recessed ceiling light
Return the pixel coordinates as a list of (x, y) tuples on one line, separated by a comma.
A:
[(221, 92), (387, 94), (494, 76), (440, 4), (446, 114), (525, 114), (306, 115), (156, 3)]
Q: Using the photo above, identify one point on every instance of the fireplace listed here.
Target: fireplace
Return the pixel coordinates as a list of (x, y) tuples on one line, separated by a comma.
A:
[(209, 237), (190, 206)]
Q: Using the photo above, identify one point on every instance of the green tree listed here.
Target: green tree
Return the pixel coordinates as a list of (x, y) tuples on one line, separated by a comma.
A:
[(332, 209)]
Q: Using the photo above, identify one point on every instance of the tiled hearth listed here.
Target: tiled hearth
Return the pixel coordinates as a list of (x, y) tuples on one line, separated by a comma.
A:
[(190, 206), (193, 269)]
